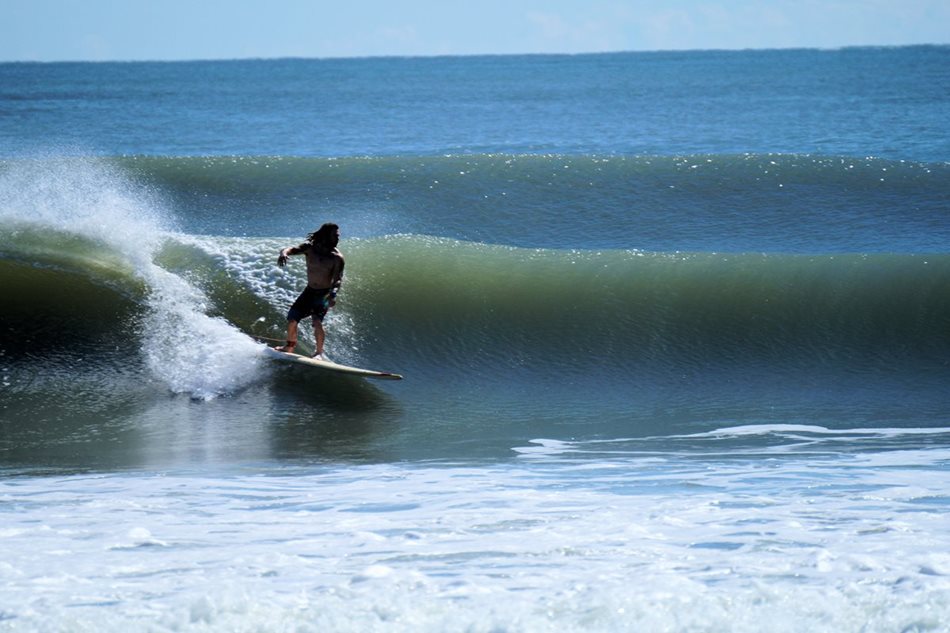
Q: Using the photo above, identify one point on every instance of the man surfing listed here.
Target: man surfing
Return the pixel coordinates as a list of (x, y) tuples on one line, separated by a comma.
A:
[(324, 277)]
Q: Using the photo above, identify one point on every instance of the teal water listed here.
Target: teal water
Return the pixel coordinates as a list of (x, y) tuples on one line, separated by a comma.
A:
[(887, 102)]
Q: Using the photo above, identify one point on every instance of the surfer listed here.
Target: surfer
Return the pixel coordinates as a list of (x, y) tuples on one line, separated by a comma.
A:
[(324, 277)]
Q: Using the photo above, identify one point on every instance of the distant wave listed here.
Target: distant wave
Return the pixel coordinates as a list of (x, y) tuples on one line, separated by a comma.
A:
[(754, 202), (277, 172), (738, 203)]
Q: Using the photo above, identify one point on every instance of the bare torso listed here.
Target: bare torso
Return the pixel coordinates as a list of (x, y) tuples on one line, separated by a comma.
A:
[(324, 270)]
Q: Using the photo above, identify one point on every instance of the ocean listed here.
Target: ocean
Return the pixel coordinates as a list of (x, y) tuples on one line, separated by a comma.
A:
[(675, 332)]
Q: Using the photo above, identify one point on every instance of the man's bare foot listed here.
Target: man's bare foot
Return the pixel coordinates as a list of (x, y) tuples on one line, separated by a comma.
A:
[(289, 347)]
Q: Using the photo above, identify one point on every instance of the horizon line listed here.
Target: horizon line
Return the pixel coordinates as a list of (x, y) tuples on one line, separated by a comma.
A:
[(471, 55)]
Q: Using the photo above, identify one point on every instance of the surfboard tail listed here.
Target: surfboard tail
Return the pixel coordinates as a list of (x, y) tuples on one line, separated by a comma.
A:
[(330, 366)]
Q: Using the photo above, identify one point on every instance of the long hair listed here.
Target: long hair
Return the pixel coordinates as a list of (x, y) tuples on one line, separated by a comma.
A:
[(325, 238)]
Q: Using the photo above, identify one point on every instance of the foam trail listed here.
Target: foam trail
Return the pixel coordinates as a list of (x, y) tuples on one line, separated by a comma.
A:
[(184, 347), (190, 351)]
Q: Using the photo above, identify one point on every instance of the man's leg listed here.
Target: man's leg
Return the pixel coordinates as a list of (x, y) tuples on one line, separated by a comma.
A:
[(291, 338), (319, 334)]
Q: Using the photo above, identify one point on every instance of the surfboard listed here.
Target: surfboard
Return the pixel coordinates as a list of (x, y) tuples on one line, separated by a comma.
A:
[(327, 365)]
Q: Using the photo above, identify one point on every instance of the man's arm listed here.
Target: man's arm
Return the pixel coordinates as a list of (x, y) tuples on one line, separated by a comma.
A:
[(287, 252), (338, 279)]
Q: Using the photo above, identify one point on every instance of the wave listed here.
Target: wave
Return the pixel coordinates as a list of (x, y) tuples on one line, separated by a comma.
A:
[(417, 302), (738, 203), (451, 303), (261, 173), (454, 298)]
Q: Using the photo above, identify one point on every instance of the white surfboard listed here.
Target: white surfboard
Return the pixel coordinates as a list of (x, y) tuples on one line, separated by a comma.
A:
[(327, 365)]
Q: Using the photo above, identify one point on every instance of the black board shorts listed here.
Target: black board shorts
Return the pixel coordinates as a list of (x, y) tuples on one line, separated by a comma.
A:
[(311, 303)]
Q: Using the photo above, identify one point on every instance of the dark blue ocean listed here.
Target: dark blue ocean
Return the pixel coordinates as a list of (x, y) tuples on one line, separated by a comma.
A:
[(675, 332)]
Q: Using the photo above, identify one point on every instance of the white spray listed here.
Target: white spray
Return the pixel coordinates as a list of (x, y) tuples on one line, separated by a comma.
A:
[(185, 348)]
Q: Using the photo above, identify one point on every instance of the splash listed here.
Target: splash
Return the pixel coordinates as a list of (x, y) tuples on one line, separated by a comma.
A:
[(91, 199)]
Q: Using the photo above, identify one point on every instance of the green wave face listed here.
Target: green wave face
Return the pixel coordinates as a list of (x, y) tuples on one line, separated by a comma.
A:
[(430, 297)]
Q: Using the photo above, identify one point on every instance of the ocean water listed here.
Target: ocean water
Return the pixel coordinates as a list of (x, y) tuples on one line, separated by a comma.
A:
[(675, 332)]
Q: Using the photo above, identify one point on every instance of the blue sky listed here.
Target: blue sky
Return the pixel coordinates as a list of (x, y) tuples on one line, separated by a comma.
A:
[(53, 30)]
